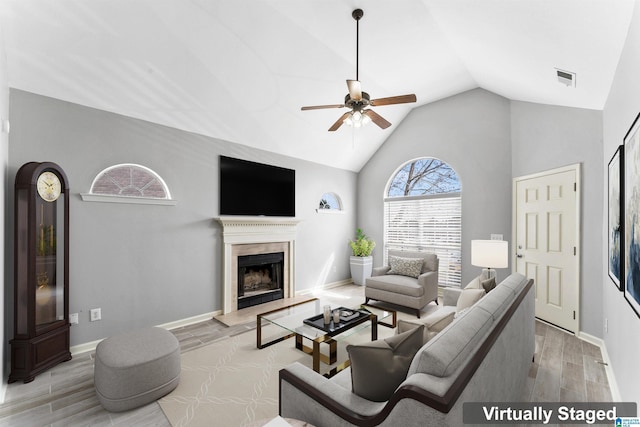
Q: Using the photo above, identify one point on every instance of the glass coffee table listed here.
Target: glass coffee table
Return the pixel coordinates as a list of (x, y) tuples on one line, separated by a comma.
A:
[(304, 320)]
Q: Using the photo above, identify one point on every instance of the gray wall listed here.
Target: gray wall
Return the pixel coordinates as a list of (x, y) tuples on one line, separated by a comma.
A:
[(623, 332), (148, 265), (489, 140), (546, 137), (470, 132)]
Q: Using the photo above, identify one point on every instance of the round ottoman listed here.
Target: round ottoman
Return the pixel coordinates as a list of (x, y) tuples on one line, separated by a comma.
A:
[(136, 368)]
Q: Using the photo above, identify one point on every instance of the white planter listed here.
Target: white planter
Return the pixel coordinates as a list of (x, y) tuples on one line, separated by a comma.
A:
[(361, 268)]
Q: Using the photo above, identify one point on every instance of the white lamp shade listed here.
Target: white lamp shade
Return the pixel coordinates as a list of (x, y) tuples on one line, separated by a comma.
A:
[(490, 253)]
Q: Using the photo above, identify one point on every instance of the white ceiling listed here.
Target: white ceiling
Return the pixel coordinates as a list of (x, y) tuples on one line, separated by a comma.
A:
[(240, 70)]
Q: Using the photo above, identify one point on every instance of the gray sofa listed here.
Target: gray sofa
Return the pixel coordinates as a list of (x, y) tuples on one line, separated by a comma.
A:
[(484, 355), (405, 290)]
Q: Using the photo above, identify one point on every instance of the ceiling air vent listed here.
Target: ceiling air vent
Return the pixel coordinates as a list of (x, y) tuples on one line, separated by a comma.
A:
[(567, 78)]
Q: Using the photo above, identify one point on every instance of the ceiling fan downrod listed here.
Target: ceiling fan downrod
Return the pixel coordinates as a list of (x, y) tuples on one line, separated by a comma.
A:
[(357, 14)]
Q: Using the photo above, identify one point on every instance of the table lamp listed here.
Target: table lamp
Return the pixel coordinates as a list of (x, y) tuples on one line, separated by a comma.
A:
[(489, 254)]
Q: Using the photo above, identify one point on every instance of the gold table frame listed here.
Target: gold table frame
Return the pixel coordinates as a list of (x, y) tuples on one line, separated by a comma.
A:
[(326, 338)]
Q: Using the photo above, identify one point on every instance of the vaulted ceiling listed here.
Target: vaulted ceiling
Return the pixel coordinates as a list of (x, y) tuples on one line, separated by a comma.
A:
[(240, 70)]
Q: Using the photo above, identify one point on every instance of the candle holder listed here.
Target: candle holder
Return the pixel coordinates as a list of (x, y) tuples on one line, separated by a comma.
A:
[(326, 314)]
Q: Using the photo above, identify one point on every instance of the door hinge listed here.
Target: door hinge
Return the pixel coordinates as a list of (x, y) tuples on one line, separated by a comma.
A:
[(575, 186), (574, 315), (574, 250)]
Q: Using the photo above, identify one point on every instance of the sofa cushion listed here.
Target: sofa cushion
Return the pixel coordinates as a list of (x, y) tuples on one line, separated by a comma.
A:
[(446, 352), (488, 284), (433, 323), (411, 267), (497, 301), (403, 285), (516, 282), (379, 367), (468, 297)]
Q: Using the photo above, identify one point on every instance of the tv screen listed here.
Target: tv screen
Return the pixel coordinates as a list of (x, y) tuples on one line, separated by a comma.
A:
[(256, 189)]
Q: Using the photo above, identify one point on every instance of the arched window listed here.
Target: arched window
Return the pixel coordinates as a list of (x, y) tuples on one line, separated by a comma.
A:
[(423, 212), (129, 183), (329, 202)]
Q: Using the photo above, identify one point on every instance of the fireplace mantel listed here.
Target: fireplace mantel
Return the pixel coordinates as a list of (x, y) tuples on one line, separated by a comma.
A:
[(254, 230)]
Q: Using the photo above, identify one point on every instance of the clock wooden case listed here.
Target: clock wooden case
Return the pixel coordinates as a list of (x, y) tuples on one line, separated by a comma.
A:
[(41, 271)]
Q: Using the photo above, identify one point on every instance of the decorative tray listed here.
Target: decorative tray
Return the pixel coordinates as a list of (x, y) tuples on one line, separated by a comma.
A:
[(348, 316)]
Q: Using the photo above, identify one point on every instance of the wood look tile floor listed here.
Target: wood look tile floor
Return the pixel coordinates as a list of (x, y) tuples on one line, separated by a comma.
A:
[(565, 369)]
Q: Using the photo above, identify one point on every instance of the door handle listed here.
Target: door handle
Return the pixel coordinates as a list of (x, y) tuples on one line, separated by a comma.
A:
[(520, 255)]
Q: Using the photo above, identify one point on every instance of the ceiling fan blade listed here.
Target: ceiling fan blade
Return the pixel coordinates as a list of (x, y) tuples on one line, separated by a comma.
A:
[(377, 119), (320, 107), (402, 99), (355, 90), (339, 122)]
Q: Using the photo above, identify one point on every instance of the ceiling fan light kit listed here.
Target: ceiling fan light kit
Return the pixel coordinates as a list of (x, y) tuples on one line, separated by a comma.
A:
[(357, 100)]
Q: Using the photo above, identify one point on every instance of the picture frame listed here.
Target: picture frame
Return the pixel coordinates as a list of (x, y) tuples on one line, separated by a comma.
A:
[(615, 210), (632, 216)]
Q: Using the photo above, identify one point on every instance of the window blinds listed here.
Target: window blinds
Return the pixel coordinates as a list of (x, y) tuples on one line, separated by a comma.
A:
[(428, 224)]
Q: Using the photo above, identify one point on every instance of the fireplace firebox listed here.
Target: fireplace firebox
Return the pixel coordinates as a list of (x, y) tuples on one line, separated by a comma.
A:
[(260, 278)]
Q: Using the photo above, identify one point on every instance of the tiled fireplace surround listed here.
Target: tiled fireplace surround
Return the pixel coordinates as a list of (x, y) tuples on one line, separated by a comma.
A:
[(250, 236)]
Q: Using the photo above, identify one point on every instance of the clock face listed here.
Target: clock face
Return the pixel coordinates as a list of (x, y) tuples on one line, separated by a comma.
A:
[(49, 186)]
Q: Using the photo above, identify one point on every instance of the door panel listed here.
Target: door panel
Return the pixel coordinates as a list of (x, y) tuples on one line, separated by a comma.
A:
[(546, 224)]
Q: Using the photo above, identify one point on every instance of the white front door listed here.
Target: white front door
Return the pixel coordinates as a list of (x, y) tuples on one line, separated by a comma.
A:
[(546, 242)]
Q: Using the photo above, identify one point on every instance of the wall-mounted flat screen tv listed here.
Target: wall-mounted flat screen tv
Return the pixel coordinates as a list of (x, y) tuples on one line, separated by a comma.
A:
[(256, 189)]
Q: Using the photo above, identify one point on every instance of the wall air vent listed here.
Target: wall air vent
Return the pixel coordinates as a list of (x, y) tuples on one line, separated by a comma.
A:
[(567, 78)]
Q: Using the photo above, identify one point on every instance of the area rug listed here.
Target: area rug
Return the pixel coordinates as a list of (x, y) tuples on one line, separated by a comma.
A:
[(232, 383)]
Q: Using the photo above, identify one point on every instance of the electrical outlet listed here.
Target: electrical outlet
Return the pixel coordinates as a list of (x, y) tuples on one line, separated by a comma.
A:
[(606, 324), (496, 237), (96, 314), (73, 318)]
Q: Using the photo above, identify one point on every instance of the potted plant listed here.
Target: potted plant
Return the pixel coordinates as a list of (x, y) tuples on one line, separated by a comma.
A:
[(361, 262)]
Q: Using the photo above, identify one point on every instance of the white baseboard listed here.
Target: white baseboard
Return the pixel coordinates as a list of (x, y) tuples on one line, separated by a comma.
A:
[(91, 346), (325, 286), (613, 385), (190, 320)]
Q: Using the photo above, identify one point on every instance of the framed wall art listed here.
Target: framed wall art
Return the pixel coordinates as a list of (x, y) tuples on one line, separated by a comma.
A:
[(632, 215), (615, 253)]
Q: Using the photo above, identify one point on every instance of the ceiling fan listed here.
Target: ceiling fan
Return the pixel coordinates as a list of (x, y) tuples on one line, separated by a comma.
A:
[(357, 100)]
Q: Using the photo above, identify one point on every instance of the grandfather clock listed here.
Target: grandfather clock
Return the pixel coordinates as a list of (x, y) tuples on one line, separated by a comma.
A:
[(41, 271)]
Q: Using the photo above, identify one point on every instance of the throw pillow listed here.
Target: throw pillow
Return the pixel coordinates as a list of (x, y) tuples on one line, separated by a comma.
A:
[(468, 297), (474, 284), (405, 266), (488, 284), (379, 367)]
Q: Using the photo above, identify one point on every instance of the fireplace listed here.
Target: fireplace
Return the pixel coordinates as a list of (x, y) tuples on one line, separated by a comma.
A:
[(249, 237), (260, 278)]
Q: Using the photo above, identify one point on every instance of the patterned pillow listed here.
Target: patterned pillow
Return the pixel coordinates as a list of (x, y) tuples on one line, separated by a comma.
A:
[(405, 266)]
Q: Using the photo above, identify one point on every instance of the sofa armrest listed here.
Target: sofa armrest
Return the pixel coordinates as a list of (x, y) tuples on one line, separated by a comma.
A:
[(450, 296), (379, 271), (305, 394)]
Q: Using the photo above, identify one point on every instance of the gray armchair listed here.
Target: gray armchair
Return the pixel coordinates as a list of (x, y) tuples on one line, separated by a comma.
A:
[(405, 281)]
